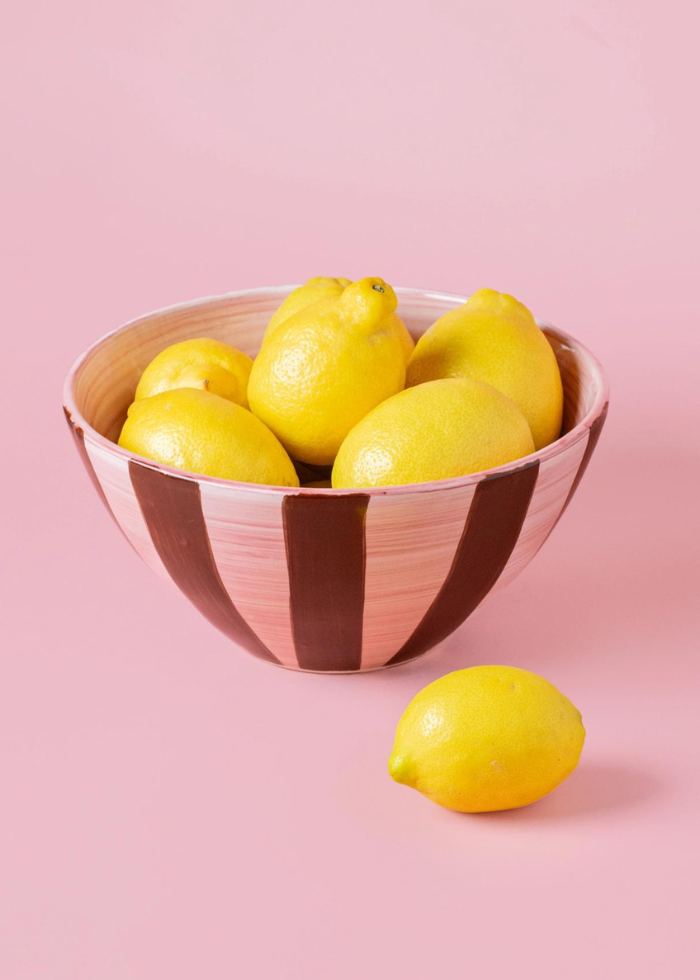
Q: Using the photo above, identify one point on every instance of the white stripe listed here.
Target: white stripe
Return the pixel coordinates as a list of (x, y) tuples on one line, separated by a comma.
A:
[(554, 481), (113, 473), (411, 541), (247, 540)]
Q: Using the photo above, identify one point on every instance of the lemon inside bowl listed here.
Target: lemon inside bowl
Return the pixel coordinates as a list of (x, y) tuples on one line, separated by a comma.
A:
[(311, 578)]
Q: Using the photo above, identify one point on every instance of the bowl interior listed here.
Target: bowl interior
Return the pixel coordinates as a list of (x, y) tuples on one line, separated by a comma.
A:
[(105, 378)]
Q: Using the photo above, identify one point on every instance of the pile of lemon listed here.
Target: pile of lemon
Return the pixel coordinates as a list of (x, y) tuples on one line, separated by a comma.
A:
[(339, 383)]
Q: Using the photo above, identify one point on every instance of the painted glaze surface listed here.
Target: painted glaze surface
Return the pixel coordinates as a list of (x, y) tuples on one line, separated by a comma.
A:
[(329, 582)]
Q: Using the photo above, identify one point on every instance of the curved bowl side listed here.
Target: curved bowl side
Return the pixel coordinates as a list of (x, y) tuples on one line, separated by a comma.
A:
[(331, 581)]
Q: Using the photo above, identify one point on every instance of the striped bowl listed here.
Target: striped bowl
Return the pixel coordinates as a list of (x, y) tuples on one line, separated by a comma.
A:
[(313, 579)]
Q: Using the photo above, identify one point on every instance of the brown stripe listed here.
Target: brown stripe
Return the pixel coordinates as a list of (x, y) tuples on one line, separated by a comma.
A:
[(325, 541), (172, 510), (79, 440), (593, 437), (491, 530)]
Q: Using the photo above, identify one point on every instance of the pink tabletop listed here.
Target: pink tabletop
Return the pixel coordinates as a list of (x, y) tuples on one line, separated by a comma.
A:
[(174, 809)]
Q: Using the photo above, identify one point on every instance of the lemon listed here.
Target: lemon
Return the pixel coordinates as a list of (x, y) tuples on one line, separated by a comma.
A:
[(438, 430), (209, 365), (487, 738), (494, 338), (313, 291), (405, 339), (325, 367), (322, 288), (204, 433)]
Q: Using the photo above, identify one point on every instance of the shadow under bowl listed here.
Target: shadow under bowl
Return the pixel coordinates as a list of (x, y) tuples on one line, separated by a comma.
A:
[(316, 579)]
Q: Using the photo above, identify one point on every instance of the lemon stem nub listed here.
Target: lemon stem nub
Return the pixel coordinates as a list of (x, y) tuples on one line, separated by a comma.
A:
[(399, 768)]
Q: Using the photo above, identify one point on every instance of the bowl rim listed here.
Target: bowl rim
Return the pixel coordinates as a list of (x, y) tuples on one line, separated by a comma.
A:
[(77, 420)]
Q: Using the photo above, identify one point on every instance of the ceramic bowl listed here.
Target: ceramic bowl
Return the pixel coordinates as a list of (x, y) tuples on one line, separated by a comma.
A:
[(313, 579)]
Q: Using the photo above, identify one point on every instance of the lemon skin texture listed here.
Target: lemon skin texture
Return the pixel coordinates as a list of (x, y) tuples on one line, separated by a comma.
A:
[(203, 433), (203, 363), (320, 288), (326, 367), (494, 338), (435, 431), (313, 291), (487, 738)]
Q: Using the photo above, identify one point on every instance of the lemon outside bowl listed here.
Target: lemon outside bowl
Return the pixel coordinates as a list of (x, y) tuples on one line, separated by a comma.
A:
[(316, 579)]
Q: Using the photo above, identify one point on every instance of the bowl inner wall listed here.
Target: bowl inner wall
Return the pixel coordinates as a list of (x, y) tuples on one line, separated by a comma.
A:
[(107, 378)]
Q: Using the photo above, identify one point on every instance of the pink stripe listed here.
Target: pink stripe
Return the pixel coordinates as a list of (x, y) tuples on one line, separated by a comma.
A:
[(247, 540), (555, 479), (113, 474), (411, 540)]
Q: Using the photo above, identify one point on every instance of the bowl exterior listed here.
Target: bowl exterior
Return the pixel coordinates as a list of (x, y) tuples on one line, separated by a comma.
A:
[(337, 581)]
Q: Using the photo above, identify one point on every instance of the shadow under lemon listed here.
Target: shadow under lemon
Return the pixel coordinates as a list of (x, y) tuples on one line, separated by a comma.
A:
[(596, 788)]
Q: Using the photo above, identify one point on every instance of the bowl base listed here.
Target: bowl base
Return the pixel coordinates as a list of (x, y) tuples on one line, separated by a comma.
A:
[(346, 673)]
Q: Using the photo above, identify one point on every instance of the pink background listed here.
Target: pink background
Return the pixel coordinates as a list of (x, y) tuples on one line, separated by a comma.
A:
[(172, 808)]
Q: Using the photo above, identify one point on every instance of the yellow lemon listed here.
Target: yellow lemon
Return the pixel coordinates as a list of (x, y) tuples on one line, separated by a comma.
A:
[(487, 738), (209, 365), (325, 367), (438, 430), (494, 338), (405, 339), (204, 433), (313, 291), (321, 288)]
